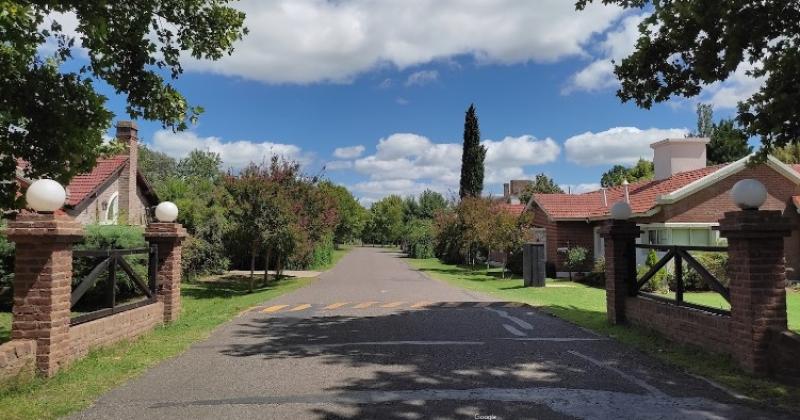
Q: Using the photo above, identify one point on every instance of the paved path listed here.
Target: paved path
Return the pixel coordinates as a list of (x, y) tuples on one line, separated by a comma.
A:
[(374, 339)]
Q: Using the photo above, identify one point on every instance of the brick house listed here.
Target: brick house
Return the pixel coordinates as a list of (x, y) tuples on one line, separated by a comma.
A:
[(114, 191), (680, 206)]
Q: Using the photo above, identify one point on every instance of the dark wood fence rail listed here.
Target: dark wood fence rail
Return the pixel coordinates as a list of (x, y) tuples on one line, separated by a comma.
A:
[(680, 253), (114, 258)]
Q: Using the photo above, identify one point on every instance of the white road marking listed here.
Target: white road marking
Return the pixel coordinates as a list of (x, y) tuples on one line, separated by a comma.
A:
[(505, 315), (513, 330), (651, 389)]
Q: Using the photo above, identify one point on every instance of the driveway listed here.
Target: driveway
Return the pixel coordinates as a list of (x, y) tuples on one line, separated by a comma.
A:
[(375, 339)]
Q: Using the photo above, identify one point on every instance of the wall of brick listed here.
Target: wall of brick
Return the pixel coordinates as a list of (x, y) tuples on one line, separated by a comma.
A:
[(784, 356), (111, 329), (686, 325), (17, 359)]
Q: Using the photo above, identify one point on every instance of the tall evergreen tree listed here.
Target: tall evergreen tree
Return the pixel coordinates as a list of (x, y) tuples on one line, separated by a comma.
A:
[(472, 158), (728, 141)]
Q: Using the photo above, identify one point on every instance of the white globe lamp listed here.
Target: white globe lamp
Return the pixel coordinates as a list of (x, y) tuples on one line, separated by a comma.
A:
[(45, 195), (166, 212), (749, 194), (621, 211)]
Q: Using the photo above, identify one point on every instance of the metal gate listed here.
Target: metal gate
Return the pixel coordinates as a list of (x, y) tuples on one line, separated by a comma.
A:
[(533, 265)]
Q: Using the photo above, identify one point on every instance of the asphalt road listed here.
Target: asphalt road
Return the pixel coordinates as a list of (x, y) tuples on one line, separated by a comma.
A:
[(375, 339)]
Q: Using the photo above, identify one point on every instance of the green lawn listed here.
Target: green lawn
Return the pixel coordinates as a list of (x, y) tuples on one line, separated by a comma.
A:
[(205, 306), (586, 306)]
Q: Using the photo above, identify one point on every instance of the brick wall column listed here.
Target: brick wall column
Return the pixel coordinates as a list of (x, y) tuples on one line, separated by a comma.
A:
[(756, 270), (43, 285), (620, 256), (168, 238)]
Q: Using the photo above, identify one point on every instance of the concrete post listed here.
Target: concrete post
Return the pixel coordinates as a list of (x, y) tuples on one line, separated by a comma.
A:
[(620, 256), (168, 238), (756, 269), (43, 285)]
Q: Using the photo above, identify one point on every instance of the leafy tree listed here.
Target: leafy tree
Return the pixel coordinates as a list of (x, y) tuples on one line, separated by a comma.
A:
[(686, 45), (387, 219), (575, 259), (430, 203), (476, 224), (728, 143), (472, 157), (788, 154), (542, 184), (59, 121), (506, 234), (643, 170), (352, 215), (201, 165), (156, 166)]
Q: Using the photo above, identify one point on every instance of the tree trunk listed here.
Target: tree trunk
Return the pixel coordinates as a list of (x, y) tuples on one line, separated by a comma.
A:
[(252, 268), (267, 257), (279, 267)]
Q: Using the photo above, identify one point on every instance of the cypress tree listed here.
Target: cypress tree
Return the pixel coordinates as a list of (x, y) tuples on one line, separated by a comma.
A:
[(472, 157)]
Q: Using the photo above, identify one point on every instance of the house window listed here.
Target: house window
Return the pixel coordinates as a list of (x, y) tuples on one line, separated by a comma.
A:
[(112, 210), (694, 236), (658, 237)]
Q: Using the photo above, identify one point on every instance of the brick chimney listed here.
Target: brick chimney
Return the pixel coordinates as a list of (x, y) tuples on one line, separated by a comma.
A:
[(128, 133), (672, 156)]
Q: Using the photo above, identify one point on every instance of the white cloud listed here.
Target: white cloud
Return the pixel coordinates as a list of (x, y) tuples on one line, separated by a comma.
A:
[(739, 86), (307, 41), (234, 154), (338, 165), (619, 145), (401, 101), (348, 152), (408, 163), (580, 188), (422, 77), (618, 44)]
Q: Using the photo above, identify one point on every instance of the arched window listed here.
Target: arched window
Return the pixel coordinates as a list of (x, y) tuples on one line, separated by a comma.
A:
[(112, 210)]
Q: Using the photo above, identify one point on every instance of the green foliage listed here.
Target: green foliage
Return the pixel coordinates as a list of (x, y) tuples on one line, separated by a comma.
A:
[(352, 215), (575, 258), (130, 46), (788, 154), (6, 267), (715, 262), (387, 220), (109, 237), (472, 157), (542, 184), (323, 253), (201, 165), (156, 166), (419, 238), (661, 281), (643, 170), (685, 46), (430, 204), (728, 142)]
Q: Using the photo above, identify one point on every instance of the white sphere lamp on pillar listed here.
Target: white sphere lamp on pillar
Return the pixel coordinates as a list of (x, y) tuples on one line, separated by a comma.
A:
[(45, 196), (749, 194), (621, 211), (166, 212)]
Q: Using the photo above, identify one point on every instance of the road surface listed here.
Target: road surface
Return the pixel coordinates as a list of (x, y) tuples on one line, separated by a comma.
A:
[(375, 339)]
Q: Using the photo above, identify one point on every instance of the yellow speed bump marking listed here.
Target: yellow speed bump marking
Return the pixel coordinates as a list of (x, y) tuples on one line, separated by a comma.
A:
[(513, 305), (421, 304), (302, 307), (275, 308), (364, 305), (452, 304), (483, 304), (335, 305), (392, 305)]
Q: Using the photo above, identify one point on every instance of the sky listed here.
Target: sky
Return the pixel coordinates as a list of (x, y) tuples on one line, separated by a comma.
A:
[(372, 93)]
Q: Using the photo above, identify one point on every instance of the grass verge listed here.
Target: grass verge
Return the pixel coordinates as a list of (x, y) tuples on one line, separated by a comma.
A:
[(586, 307), (205, 306)]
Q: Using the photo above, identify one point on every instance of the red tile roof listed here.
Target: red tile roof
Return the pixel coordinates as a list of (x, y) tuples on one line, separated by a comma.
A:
[(83, 185), (515, 209), (643, 195)]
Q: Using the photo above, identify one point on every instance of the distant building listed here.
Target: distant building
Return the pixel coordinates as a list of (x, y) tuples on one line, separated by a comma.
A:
[(513, 188), (114, 192)]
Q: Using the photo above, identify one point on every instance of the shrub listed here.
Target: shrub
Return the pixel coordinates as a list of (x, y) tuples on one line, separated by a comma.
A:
[(419, 239), (199, 257), (575, 259), (109, 237), (597, 277), (661, 281), (322, 255), (6, 268), (715, 262)]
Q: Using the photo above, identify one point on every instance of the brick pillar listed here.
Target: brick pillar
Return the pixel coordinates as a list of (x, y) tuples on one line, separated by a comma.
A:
[(168, 238), (756, 270), (43, 285), (620, 255)]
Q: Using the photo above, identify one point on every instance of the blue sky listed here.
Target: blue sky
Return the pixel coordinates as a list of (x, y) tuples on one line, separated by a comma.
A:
[(388, 82)]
